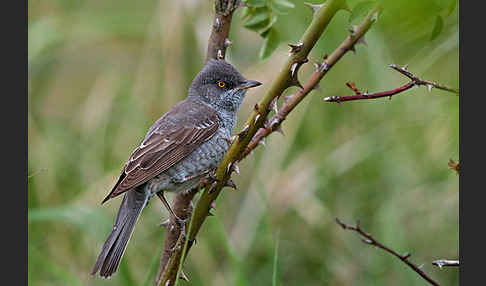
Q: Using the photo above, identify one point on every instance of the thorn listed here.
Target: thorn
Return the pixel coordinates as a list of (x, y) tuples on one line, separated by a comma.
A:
[(213, 205), (256, 118), (244, 132), (212, 187), (362, 40), (217, 25), (210, 214), (375, 16), (183, 276), (405, 67), (429, 87), (294, 70), (233, 167), (220, 54), (227, 43), (365, 240), (256, 108), (315, 7), (421, 266), (230, 184), (321, 67), (353, 49), (406, 255), (295, 48), (165, 223), (230, 140), (324, 56)]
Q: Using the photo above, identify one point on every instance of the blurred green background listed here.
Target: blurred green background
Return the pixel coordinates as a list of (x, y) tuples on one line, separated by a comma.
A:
[(101, 72)]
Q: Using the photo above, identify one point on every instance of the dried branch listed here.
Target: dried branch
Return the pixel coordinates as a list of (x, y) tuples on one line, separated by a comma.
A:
[(414, 81), (369, 239), (442, 262)]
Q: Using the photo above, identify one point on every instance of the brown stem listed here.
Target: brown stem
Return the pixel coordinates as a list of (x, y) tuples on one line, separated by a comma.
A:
[(414, 81), (369, 239), (218, 41)]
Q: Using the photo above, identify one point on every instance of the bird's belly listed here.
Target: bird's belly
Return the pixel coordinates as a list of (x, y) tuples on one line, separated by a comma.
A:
[(187, 173)]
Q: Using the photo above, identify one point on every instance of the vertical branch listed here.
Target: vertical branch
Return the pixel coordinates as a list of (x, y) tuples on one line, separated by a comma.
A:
[(218, 41), (175, 238)]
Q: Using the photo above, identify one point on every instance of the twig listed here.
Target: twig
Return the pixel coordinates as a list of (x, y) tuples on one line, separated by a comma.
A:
[(414, 81), (442, 262), (369, 239)]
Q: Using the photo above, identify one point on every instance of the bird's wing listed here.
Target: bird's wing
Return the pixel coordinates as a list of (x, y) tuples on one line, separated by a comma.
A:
[(174, 136)]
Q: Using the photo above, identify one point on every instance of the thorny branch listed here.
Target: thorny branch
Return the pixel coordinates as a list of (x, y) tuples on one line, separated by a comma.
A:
[(369, 239), (174, 251), (290, 102), (414, 81)]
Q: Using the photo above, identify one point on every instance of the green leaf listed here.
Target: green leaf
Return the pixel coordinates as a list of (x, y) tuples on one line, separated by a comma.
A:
[(439, 24), (281, 6), (284, 4), (256, 3), (273, 20), (258, 20), (451, 7), (245, 11), (360, 10), (269, 44)]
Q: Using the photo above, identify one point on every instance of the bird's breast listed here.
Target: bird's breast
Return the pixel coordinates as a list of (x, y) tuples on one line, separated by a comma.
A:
[(186, 173)]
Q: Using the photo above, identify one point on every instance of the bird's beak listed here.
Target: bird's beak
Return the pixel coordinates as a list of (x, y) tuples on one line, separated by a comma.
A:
[(249, 84)]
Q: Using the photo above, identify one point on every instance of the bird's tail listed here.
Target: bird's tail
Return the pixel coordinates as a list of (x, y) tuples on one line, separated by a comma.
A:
[(132, 205)]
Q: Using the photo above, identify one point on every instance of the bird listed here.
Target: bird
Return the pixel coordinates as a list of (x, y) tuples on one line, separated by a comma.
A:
[(183, 147)]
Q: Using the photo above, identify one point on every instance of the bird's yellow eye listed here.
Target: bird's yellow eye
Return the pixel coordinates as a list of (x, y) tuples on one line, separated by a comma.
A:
[(221, 84)]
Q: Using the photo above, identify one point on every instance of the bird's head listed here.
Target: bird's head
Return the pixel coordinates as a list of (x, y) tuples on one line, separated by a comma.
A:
[(221, 86)]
